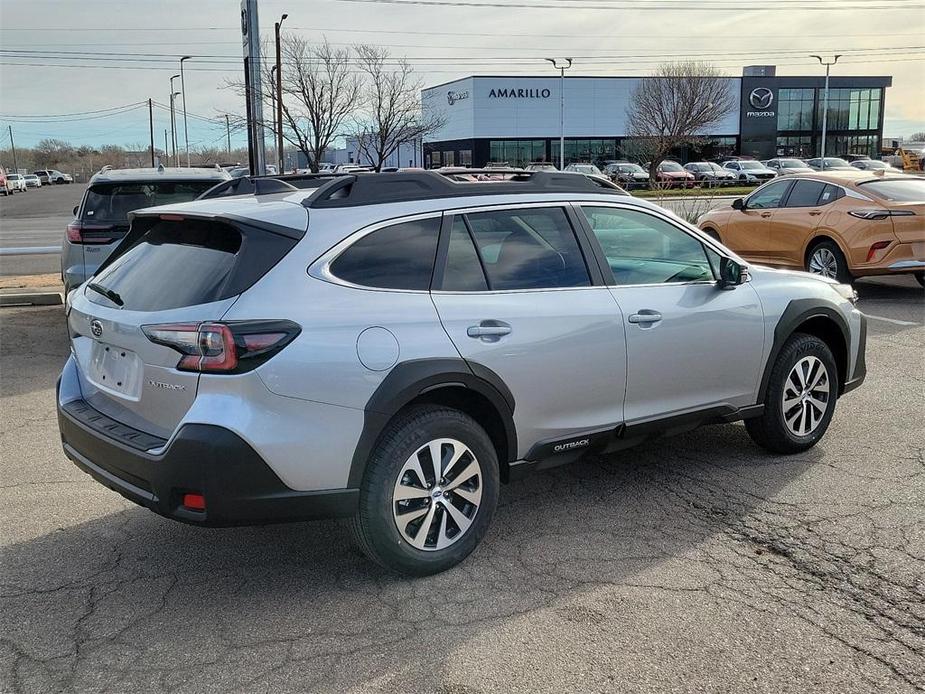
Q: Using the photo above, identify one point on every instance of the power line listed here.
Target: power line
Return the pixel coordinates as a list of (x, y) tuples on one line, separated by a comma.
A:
[(693, 7)]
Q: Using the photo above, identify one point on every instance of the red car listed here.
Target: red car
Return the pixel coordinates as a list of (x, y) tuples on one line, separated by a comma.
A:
[(671, 174), (4, 184)]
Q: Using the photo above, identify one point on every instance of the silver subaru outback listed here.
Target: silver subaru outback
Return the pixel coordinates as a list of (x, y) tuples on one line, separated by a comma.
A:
[(390, 348)]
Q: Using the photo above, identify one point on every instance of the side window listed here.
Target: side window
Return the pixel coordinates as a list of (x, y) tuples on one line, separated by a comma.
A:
[(400, 256), (830, 194), (805, 193), (643, 249), (532, 248), (768, 197), (463, 271)]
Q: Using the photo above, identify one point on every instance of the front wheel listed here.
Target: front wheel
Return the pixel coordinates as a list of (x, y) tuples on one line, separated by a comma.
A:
[(800, 397), (429, 492)]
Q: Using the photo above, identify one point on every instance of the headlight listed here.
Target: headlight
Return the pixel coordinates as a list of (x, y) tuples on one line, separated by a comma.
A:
[(847, 292)]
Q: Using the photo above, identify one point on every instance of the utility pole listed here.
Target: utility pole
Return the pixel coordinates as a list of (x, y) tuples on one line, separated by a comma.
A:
[(151, 128), (173, 121), (279, 97), (561, 68), (250, 29), (228, 134), (825, 101), (183, 89), (13, 148), (166, 151)]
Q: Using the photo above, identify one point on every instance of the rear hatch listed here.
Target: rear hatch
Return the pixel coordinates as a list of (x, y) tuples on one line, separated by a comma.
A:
[(172, 275), (103, 216)]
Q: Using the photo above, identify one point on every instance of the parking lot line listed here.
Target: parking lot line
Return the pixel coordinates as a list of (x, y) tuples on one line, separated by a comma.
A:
[(895, 321)]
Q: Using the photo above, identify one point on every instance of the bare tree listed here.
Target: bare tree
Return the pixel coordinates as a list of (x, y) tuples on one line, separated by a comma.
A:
[(677, 106), (320, 91), (391, 102)]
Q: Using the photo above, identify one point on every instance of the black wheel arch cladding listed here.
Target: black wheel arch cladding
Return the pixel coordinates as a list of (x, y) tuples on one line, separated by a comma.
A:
[(799, 312), (409, 380)]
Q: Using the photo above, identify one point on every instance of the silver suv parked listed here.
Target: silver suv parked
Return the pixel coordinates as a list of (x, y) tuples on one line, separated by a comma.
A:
[(101, 218), (391, 348)]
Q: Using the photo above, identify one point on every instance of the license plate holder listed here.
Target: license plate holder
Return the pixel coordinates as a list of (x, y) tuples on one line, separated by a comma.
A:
[(115, 370)]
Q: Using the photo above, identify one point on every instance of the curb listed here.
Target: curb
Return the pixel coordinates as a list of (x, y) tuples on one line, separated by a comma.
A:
[(32, 299)]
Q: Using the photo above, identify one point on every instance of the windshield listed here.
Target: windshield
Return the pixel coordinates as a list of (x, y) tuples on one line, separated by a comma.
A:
[(835, 161), (898, 189), (631, 168), (670, 166), (874, 164), (717, 167), (111, 202), (751, 165), (698, 167), (791, 164)]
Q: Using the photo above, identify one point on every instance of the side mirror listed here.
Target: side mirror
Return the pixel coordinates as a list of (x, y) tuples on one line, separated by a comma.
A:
[(738, 204), (731, 273), (76, 207)]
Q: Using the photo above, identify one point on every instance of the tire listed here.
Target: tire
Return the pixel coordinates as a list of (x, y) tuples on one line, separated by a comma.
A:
[(796, 423), (377, 526), (920, 278), (825, 258)]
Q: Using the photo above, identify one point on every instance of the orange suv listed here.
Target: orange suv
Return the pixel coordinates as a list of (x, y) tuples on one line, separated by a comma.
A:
[(841, 225)]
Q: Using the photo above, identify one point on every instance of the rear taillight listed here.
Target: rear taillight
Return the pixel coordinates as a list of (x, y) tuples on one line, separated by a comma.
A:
[(234, 347), (78, 232), (876, 213)]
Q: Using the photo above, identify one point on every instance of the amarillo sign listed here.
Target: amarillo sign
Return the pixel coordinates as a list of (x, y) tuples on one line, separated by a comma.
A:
[(519, 94)]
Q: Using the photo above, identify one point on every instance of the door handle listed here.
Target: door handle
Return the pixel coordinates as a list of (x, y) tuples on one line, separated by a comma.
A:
[(765, 214), (815, 212), (489, 329), (645, 316)]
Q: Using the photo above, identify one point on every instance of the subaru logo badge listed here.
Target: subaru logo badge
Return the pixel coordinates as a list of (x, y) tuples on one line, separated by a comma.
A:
[(96, 328), (761, 98)]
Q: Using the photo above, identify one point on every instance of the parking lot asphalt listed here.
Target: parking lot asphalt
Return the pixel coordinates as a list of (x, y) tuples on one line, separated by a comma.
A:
[(36, 218), (697, 563)]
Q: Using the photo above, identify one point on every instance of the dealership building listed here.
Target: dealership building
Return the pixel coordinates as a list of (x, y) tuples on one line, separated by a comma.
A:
[(515, 120)]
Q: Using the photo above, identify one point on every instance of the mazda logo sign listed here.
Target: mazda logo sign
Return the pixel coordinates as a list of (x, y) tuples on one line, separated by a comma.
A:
[(96, 328), (761, 98)]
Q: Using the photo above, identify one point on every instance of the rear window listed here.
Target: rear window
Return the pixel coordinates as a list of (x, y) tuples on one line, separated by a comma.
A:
[(901, 190), (111, 202), (188, 262)]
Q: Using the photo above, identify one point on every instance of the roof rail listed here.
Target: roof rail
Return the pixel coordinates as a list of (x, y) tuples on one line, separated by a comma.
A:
[(372, 189), (247, 185), (105, 168)]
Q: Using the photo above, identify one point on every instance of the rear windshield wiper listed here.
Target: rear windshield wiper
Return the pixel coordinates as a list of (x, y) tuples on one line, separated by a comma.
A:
[(108, 293)]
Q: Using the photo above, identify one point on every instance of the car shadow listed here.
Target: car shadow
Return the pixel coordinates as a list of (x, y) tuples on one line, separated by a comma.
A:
[(127, 599)]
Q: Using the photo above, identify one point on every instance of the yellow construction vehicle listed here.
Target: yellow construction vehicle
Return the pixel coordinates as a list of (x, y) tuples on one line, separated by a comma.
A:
[(912, 161)]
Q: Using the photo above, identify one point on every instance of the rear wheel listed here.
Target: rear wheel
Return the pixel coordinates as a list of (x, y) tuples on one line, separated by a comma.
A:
[(826, 259), (800, 398), (920, 278), (429, 492)]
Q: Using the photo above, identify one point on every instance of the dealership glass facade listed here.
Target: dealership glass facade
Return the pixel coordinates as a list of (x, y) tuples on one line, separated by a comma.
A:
[(515, 120), (853, 122)]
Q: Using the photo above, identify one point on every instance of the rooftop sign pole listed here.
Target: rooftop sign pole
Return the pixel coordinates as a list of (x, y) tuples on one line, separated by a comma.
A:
[(250, 31)]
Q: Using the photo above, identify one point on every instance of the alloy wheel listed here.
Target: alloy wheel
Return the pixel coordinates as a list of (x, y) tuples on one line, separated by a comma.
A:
[(437, 495), (806, 396), (823, 262)]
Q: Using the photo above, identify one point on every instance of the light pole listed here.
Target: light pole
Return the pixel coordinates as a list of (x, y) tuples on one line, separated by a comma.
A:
[(825, 100), (183, 89), (561, 68), (173, 121), (279, 98)]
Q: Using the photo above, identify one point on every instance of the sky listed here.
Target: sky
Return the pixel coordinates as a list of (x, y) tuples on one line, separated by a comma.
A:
[(60, 60)]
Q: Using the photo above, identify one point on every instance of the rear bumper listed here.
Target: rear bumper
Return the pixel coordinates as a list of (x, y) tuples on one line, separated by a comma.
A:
[(239, 487)]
